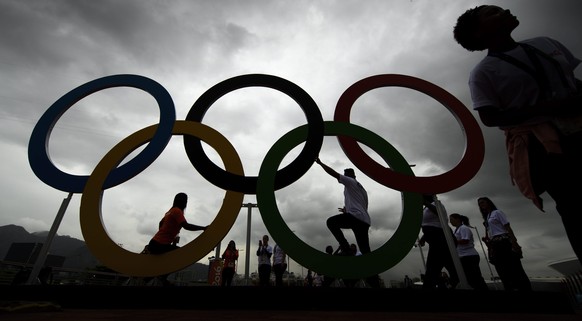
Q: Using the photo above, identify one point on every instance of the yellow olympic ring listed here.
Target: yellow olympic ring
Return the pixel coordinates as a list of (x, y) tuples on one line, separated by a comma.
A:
[(143, 265)]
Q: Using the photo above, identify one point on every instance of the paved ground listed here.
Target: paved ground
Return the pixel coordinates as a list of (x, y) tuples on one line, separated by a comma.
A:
[(279, 315), (67, 303)]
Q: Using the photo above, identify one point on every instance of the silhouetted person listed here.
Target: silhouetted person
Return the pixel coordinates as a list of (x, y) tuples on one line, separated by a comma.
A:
[(468, 255), (264, 253), (439, 255), (353, 215), (230, 256), (505, 252), (529, 91), (166, 238)]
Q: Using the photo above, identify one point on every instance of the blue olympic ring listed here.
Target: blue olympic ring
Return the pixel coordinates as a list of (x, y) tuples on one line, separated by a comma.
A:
[(38, 156)]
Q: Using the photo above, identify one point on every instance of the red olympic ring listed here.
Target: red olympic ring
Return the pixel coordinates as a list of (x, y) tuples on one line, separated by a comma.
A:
[(456, 177)]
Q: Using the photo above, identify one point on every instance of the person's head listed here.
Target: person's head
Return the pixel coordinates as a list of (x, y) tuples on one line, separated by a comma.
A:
[(265, 239), (465, 220), (180, 200), (455, 219), (231, 244), (427, 198), (486, 206), (349, 172), (476, 28), (329, 249)]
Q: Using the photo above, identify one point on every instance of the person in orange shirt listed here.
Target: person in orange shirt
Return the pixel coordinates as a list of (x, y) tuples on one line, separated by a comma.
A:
[(229, 256), (166, 239)]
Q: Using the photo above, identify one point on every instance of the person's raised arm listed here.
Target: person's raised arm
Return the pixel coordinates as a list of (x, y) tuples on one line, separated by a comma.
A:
[(327, 169), (192, 227)]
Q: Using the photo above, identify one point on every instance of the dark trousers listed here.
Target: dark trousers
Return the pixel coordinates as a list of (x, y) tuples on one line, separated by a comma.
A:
[(560, 175), (336, 223), (279, 269), (265, 274), (227, 275), (472, 271), (508, 266), (158, 248), (438, 257)]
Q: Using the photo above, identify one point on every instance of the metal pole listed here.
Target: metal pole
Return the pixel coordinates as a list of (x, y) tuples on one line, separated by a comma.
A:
[(217, 251), (442, 214), (485, 255), (248, 250), (32, 278)]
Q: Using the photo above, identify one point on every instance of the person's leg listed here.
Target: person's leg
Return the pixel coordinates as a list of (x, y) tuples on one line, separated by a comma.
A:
[(433, 260), (158, 248), (473, 272), (503, 264), (520, 279), (565, 188), (227, 274), (278, 274), (449, 265), (268, 274), (560, 175), (360, 230), (362, 239), (262, 274), (335, 224)]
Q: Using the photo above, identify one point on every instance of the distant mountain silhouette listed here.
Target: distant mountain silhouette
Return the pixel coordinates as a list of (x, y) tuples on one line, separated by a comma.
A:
[(75, 251)]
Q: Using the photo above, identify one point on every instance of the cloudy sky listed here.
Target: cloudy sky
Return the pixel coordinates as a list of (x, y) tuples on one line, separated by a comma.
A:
[(51, 47)]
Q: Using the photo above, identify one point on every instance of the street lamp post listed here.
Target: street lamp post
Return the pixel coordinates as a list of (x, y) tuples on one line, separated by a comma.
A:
[(248, 250)]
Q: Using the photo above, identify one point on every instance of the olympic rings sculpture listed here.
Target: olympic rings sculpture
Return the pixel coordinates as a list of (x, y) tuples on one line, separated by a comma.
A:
[(398, 175)]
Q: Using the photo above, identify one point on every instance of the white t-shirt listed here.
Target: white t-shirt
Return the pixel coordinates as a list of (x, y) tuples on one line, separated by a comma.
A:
[(464, 232), (278, 255), (431, 219), (355, 198), (498, 83), (265, 256), (496, 221)]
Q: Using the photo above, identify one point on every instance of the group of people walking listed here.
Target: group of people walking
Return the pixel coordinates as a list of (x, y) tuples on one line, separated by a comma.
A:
[(504, 252)]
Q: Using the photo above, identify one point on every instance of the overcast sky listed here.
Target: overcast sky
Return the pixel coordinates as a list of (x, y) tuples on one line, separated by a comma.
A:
[(51, 47)]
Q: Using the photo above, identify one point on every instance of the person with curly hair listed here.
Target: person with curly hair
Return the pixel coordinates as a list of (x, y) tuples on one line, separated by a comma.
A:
[(528, 89)]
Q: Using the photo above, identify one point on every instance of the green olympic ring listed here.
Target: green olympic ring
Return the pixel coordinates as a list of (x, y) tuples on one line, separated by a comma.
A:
[(377, 261), (134, 264)]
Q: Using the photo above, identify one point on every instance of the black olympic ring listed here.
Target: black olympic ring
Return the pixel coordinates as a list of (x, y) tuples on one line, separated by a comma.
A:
[(248, 184)]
